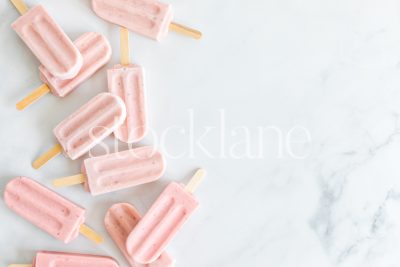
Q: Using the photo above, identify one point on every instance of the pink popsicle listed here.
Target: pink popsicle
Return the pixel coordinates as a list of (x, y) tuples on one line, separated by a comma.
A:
[(63, 259), (150, 18), (44, 208), (127, 83), (96, 52), (86, 127), (49, 43), (163, 220), (119, 221)]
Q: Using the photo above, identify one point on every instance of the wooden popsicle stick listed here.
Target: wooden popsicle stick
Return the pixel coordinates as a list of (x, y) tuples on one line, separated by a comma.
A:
[(20, 6), (43, 159), (70, 180), (185, 30), (196, 180), (124, 46), (20, 265), (89, 233), (32, 97)]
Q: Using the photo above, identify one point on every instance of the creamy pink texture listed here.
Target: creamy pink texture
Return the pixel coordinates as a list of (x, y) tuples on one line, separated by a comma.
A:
[(90, 124), (127, 83), (49, 43), (44, 208), (150, 18), (124, 169), (160, 224), (62, 259), (120, 220), (96, 52)]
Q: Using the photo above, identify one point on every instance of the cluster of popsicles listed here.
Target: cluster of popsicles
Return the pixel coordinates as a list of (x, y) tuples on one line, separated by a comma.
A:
[(122, 111)]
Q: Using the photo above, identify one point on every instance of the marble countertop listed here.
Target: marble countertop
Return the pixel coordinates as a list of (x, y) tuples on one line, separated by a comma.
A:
[(293, 108)]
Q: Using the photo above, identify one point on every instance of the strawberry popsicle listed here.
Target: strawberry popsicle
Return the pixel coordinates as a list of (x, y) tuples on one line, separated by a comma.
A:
[(64, 259), (96, 52), (120, 220), (150, 18), (47, 210), (118, 171), (86, 127), (127, 83), (166, 216), (47, 41)]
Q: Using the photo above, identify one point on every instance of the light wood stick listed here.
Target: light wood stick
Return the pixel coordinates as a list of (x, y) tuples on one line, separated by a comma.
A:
[(20, 265), (195, 181), (185, 30), (43, 159), (70, 180), (32, 97), (20, 6), (124, 46), (89, 233)]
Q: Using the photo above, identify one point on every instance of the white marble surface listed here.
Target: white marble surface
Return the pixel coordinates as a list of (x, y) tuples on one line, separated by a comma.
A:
[(326, 73)]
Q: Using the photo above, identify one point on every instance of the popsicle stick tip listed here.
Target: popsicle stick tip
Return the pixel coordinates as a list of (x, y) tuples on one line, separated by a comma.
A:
[(32, 97), (182, 29), (43, 159), (90, 234), (20, 6), (124, 46), (69, 181), (196, 180)]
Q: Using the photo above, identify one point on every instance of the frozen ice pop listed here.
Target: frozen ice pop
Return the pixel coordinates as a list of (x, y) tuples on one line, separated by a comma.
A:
[(127, 82), (47, 41), (163, 220), (120, 220), (47, 210), (64, 259), (118, 171), (96, 52), (150, 18), (86, 127)]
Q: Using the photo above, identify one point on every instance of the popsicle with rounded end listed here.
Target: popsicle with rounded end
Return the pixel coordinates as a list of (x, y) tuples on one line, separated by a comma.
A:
[(47, 210), (65, 259), (118, 171), (47, 41), (159, 225), (119, 221), (86, 127), (150, 18), (96, 52), (127, 82)]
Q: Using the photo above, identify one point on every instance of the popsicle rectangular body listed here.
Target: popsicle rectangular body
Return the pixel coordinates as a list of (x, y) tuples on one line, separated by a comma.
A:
[(61, 259), (160, 224), (124, 169), (120, 220), (49, 43), (96, 52), (150, 18), (90, 124), (127, 83), (44, 208)]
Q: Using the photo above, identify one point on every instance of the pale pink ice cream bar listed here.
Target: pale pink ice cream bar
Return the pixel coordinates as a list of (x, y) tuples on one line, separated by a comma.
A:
[(63, 259), (164, 219), (121, 170), (49, 43), (90, 124), (44, 208), (127, 83), (150, 18), (96, 52), (120, 220)]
